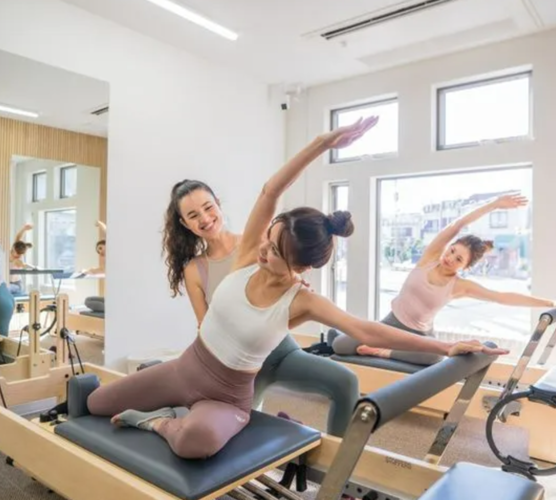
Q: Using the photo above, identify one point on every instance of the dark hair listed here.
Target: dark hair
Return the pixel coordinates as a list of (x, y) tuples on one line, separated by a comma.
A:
[(306, 239), (179, 243), (477, 247), (21, 247), (100, 242)]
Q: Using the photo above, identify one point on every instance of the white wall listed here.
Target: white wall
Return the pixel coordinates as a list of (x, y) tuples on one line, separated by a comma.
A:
[(414, 86), (86, 204), (172, 116)]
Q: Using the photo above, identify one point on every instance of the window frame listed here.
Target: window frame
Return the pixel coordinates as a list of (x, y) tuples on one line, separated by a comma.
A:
[(35, 176), (333, 198), (335, 112), (62, 178), (378, 216), (493, 216), (441, 93)]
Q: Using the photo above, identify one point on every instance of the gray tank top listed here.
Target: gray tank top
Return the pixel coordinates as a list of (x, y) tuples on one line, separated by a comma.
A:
[(212, 272)]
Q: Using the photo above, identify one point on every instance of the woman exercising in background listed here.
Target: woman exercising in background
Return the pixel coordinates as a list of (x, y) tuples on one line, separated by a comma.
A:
[(199, 253), (100, 248), (7, 302), (249, 315), (17, 255), (434, 282)]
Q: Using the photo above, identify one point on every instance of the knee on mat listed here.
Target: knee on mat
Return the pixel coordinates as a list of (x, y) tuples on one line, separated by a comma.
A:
[(200, 441)]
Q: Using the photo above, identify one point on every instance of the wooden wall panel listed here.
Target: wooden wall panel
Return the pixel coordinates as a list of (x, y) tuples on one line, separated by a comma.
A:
[(38, 141)]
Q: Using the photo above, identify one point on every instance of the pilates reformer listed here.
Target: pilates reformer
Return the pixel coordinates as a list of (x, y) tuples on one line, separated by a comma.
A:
[(88, 458), (501, 381)]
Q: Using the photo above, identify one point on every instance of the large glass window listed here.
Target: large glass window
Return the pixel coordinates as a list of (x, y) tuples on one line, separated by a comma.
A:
[(381, 140), (60, 227), (338, 269), (412, 210), (496, 109)]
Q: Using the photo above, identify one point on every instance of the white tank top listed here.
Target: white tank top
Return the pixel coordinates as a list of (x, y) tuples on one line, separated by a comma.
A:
[(239, 334)]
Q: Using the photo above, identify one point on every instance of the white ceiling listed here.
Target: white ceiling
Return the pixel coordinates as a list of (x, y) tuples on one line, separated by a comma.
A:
[(62, 99), (280, 43)]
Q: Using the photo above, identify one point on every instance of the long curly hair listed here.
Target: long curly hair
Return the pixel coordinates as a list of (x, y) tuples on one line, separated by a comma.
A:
[(180, 244)]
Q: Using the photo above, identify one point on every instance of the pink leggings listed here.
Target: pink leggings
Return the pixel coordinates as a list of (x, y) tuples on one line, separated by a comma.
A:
[(219, 400)]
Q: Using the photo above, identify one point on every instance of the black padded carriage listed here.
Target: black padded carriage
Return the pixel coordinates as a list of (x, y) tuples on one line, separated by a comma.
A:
[(264, 441)]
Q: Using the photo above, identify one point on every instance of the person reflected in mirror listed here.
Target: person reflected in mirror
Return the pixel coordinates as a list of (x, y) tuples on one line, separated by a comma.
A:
[(17, 259), (100, 248)]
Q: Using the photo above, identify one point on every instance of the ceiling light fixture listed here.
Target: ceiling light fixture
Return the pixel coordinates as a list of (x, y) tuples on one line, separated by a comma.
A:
[(195, 18), (15, 111)]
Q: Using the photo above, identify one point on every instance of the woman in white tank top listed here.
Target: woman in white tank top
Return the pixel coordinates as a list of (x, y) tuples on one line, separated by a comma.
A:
[(250, 313), (194, 222)]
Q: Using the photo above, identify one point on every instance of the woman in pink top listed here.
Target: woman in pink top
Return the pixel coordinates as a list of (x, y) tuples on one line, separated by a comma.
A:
[(434, 282)]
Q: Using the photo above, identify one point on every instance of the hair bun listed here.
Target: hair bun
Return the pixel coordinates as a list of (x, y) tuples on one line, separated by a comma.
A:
[(488, 245), (340, 223)]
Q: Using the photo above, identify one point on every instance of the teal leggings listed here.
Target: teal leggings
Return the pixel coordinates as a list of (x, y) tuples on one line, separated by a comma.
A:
[(291, 367), (7, 305)]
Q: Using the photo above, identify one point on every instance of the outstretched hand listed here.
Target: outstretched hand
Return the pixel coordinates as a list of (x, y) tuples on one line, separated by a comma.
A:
[(511, 201), (468, 346), (343, 137)]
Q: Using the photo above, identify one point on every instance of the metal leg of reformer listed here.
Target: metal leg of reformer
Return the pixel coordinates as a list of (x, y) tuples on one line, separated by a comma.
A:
[(362, 424), (544, 322), (452, 421)]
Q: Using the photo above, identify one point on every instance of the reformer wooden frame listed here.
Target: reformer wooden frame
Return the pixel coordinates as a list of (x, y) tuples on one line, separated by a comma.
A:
[(85, 325), (78, 474), (534, 418)]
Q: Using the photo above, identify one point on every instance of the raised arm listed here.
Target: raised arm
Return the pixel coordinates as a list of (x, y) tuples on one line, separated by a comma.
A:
[(437, 245), (468, 288), (22, 231), (265, 206), (102, 226), (309, 306)]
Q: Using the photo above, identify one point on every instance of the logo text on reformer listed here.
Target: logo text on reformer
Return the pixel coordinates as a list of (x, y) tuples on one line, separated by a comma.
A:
[(398, 463)]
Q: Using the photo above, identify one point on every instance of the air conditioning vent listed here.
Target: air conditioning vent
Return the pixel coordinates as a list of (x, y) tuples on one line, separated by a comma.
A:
[(100, 111), (381, 18)]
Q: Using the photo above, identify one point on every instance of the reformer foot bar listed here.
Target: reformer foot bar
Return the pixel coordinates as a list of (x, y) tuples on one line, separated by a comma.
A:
[(86, 458), (462, 481), (501, 380)]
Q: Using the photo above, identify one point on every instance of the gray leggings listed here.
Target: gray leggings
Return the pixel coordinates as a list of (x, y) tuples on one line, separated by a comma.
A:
[(347, 346), (289, 366)]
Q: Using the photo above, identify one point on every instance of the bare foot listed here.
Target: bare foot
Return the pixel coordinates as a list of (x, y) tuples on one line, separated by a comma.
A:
[(365, 350)]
